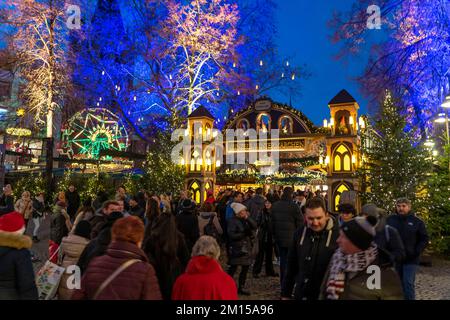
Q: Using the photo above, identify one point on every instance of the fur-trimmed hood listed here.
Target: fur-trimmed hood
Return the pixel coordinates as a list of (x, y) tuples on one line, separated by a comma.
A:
[(14, 240)]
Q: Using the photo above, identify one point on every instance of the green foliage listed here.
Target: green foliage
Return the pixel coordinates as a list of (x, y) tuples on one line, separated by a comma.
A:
[(161, 174), (133, 183), (66, 181), (394, 162), (93, 184), (32, 182), (437, 217)]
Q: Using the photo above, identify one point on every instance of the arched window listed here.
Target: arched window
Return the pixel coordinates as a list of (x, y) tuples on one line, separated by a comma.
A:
[(337, 195), (195, 190), (263, 123), (285, 125), (243, 124), (208, 132), (208, 161), (342, 159), (196, 161)]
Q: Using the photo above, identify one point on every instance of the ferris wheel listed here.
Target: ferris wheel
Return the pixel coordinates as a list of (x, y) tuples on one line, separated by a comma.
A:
[(92, 130)]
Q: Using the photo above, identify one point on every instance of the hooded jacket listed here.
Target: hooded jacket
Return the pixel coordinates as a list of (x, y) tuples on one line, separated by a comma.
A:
[(256, 206), (413, 233), (308, 258), (71, 248), (203, 220), (16, 270), (204, 279), (58, 224), (137, 282)]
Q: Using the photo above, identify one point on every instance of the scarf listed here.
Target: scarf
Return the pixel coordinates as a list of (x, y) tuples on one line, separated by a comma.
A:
[(342, 263)]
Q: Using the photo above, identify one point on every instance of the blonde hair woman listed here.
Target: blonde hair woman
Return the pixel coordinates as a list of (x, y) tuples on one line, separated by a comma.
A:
[(25, 206)]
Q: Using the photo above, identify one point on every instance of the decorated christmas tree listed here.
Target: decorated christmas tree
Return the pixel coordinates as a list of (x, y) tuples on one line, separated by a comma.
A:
[(394, 162), (161, 174), (438, 203)]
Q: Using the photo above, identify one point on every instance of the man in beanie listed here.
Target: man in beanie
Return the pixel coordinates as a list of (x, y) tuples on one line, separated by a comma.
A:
[(16, 269), (241, 229), (359, 270), (286, 218), (310, 252), (387, 237), (415, 238)]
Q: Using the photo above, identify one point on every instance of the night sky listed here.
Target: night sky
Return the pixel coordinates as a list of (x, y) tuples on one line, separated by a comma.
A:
[(303, 32)]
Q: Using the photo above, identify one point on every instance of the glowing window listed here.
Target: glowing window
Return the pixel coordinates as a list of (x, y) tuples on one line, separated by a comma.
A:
[(337, 195), (263, 123), (342, 159), (192, 164), (347, 161), (337, 163), (285, 125), (195, 189)]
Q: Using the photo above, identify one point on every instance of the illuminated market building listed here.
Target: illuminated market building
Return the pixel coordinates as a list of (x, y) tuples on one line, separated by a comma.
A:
[(316, 158)]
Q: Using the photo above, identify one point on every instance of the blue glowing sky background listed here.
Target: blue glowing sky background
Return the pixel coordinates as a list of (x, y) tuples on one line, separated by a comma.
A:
[(303, 32)]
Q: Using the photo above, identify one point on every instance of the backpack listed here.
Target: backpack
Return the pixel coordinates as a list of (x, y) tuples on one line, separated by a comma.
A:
[(210, 229)]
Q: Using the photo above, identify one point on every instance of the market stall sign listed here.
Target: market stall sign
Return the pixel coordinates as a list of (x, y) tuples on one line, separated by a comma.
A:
[(21, 132)]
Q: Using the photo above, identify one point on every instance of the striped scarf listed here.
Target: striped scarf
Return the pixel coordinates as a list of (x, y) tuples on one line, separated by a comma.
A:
[(342, 263)]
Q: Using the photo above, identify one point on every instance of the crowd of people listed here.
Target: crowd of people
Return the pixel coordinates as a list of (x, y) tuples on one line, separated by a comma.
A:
[(150, 246)]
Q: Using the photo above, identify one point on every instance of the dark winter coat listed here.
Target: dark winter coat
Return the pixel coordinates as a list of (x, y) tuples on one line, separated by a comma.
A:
[(137, 211), (388, 239), (286, 219), (308, 258), (97, 222), (38, 208), (256, 206), (137, 282), (241, 235), (6, 204), (73, 203), (265, 227), (356, 288), (187, 224), (58, 225), (98, 246), (16, 269), (413, 234), (167, 272)]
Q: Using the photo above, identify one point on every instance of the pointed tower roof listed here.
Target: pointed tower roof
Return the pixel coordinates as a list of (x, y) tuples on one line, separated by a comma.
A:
[(342, 97), (201, 112)]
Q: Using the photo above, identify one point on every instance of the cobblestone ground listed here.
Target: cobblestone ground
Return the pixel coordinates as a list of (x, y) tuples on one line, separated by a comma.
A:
[(432, 283)]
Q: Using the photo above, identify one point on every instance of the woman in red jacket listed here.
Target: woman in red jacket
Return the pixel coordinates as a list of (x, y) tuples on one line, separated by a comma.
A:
[(123, 273), (204, 278)]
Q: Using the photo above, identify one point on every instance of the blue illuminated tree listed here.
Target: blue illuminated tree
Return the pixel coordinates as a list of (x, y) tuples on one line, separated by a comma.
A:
[(414, 59)]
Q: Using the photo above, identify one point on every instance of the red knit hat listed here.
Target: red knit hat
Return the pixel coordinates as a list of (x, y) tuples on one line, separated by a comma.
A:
[(12, 222)]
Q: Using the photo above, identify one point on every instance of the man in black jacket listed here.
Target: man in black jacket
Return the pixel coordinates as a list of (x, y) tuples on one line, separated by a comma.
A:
[(310, 252), (73, 202), (286, 218), (6, 200), (415, 239)]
